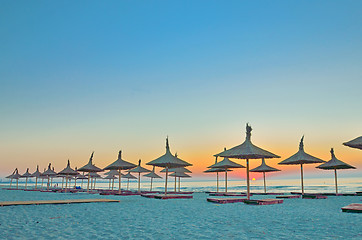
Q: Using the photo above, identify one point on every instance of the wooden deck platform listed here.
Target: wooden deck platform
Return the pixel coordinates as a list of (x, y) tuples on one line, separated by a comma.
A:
[(226, 200), (359, 193), (41, 202), (353, 208), (264, 201), (270, 193), (230, 194), (171, 196), (149, 195), (288, 196), (314, 196)]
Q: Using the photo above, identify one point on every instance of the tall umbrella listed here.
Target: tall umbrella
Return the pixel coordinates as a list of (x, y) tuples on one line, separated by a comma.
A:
[(89, 167), (216, 170), (335, 164), (264, 168), (247, 150), (11, 176), (226, 164), (152, 175), (168, 161), (301, 158), (355, 143), (49, 173), (68, 171), (129, 176), (120, 165), (26, 175), (139, 170), (179, 175), (36, 174)]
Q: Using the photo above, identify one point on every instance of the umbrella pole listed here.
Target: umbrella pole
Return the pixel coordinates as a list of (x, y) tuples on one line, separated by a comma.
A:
[(17, 183), (151, 184), (127, 184), (95, 179), (11, 180), (179, 183), (51, 181), (217, 182), (66, 183), (62, 182), (139, 182), (88, 182), (226, 180), (175, 182), (335, 179), (48, 184), (36, 182), (81, 185), (301, 175), (26, 182), (112, 184), (75, 183), (247, 179), (264, 182), (119, 180), (109, 184), (42, 181), (166, 181)]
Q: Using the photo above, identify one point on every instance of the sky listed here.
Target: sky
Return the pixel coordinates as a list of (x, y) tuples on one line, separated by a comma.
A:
[(104, 76)]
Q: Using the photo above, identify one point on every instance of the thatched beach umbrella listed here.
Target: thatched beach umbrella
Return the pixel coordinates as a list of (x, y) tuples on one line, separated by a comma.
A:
[(48, 174), (110, 177), (139, 170), (89, 167), (216, 170), (335, 164), (355, 143), (11, 176), (226, 164), (168, 161), (178, 170), (94, 176), (152, 175), (82, 177), (36, 174), (26, 175), (264, 168), (247, 150), (120, 165), (68, 171), (129, 176), (301, 158), (179, 175)]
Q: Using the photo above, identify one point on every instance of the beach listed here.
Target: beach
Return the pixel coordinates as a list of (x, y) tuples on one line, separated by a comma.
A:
[(135, 217)]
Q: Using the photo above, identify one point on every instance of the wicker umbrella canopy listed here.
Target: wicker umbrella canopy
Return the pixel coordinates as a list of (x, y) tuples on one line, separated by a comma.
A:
[(180, 174), (335, 164), (180, 169), (264, 168), (139, 170), (301, 157), (129, 176), (247, 150), (226, 164), (355, 143), (216, 170), (68, 171), (14, 175), (26, 175), (89, 167), (152, 175), (11, 176), (120, 165), (113, 172), (168, 161), (49, 173)]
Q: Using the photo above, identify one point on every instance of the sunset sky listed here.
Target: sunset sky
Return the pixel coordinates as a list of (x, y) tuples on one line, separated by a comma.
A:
[(83, 76)]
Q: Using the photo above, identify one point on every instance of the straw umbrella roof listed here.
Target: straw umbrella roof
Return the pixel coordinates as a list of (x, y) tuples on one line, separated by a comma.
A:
[(152, 174), (301, 157), (168, 160), (335, 163), (180, 169), (49, 171), (68, 170), (139, 169), (80, 176), (26, 174), (355, 143), (129, 176), (216, 170), (94, 175), (120, 164), (264, 168), (12, 175), (225, 164), (247, 150), (179, 174), (37, 173), (113, 172), (89, 167), (110, 177)]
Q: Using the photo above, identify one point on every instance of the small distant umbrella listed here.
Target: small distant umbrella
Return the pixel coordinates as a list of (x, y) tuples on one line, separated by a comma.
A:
[(247, 150), (26, 175), (129, 176), (89, 167), (355, 143), (110, 177), (179, 170), (168, 161), (11, 176), (49, 173), (82, 177), (226, 164), (264, 168), (68, 171), (94, 176), (152, 175), (301, 158), (139, 170), (335, 164), (120, 165), (36, 174), (179, 175), (216, 170)]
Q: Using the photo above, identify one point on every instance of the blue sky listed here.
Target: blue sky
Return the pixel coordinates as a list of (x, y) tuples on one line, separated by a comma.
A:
[(104, 75)]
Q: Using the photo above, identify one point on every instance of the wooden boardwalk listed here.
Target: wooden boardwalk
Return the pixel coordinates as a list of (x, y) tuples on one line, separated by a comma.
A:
[(67, 201), (353, 207)]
